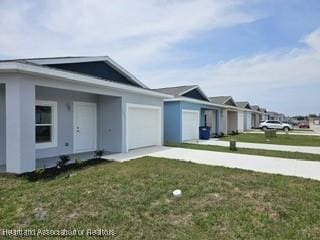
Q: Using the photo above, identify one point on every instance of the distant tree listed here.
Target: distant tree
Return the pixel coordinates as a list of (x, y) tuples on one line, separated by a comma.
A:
[(312, 115)]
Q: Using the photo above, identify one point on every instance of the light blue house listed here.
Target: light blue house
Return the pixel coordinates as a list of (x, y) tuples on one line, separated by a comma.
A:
[(74, 106), (187, 111)]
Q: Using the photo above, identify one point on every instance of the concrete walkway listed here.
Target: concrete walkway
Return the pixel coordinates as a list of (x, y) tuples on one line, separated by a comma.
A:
[(285, 148), (283, 166)]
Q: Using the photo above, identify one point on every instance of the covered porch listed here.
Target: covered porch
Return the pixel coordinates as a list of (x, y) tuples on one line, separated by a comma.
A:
[(40, 123), (232, 122), (212, 120)]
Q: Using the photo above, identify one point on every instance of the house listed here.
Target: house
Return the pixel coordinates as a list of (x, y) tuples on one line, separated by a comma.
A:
[(230, 122), (189, 109), (256, 116), (73, 106), (246, 114), (264, 115), (273, 116)]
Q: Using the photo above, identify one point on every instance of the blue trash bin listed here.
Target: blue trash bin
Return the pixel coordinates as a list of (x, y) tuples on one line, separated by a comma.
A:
[(204, 133)]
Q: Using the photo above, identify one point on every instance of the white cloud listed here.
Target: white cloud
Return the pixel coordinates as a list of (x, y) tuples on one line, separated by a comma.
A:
[(313, 40), (132, 32), (142, 33), (257, 78)]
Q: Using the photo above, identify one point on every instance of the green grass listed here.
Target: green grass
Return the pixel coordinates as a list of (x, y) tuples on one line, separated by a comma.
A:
[(282, 139), (259, 152), (134, 199)]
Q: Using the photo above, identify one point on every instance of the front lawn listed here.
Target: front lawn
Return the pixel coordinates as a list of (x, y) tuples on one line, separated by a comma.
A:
[(282, 139), (134, 199), (249, 151)]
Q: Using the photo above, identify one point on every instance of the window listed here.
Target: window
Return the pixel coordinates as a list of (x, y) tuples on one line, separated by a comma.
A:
[(46, 124)]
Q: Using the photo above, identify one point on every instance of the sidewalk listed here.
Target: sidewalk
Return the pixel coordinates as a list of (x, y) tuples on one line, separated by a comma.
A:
[(285, 148), (283, 166)]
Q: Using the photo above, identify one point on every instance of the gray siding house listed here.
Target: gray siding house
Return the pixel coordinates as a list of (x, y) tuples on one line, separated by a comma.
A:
[(73, 106)]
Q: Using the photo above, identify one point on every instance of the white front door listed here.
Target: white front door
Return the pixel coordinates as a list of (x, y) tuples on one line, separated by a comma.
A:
[(85, 127), (190, 124)]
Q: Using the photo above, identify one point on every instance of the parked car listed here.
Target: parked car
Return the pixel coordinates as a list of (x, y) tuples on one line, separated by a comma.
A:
[(303, 125), (272, 124)]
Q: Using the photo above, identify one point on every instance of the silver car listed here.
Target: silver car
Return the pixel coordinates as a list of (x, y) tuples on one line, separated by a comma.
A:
[(273, 124)]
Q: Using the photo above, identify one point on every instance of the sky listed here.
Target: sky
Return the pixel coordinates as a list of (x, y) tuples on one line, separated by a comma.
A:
[(266, 52)]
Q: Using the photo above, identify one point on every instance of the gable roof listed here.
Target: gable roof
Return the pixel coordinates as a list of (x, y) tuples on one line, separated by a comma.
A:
[(183, 91), (93, 65), (25, 67), (243, 105), (226, 100), (263, 110), (175, 91), (255, 107)]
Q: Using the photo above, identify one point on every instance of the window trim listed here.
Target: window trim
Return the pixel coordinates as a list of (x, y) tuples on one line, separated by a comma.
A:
[(54, 131)]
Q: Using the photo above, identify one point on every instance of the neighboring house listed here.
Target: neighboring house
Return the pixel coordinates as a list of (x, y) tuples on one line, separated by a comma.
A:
[(273, 116), (282, 117), (73, 106), (229, 116), (264, 115), (246, 114), (187, 111), (256, 116)]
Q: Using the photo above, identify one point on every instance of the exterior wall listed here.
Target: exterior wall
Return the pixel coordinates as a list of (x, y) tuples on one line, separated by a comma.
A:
[(240, 121), (109, 123), (142, 100), (253, 119), (64, 101), (212, 120), (257, 120), (172, 122), (21, 94), (20, 122), (2, 125), (264, 117), (247, 121), (202, 108), (224, 121), (173, 118), (232, 124)]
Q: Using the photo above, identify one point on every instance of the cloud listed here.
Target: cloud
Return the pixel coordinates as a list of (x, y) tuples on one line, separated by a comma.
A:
[(132, 32), (250, 76)]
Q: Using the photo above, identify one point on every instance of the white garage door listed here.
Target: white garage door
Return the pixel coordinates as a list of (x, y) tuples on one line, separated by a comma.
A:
[(190, 124), (143, 126)]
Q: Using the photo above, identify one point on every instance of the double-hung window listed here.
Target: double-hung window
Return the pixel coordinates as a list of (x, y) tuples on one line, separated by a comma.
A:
[(46, 124)]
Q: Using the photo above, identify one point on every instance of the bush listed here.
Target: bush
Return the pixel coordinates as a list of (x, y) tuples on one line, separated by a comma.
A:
[(49, 173), (64, 159), (78, 161), (99, 153)]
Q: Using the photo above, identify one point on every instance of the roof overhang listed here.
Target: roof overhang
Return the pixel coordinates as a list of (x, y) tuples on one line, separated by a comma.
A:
[(193, 88), (106, 59), (29, 68), (191, 100)]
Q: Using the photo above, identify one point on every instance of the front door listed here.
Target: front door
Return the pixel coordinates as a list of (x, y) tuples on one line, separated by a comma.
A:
[(85, 127)]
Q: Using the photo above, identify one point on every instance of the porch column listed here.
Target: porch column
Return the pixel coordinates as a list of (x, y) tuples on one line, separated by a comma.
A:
[(224, 121), (218, 122), (20, 126)]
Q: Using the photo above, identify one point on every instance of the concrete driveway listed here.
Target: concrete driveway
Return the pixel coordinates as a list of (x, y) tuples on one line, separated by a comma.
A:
[(283, 166), (285, 148)]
